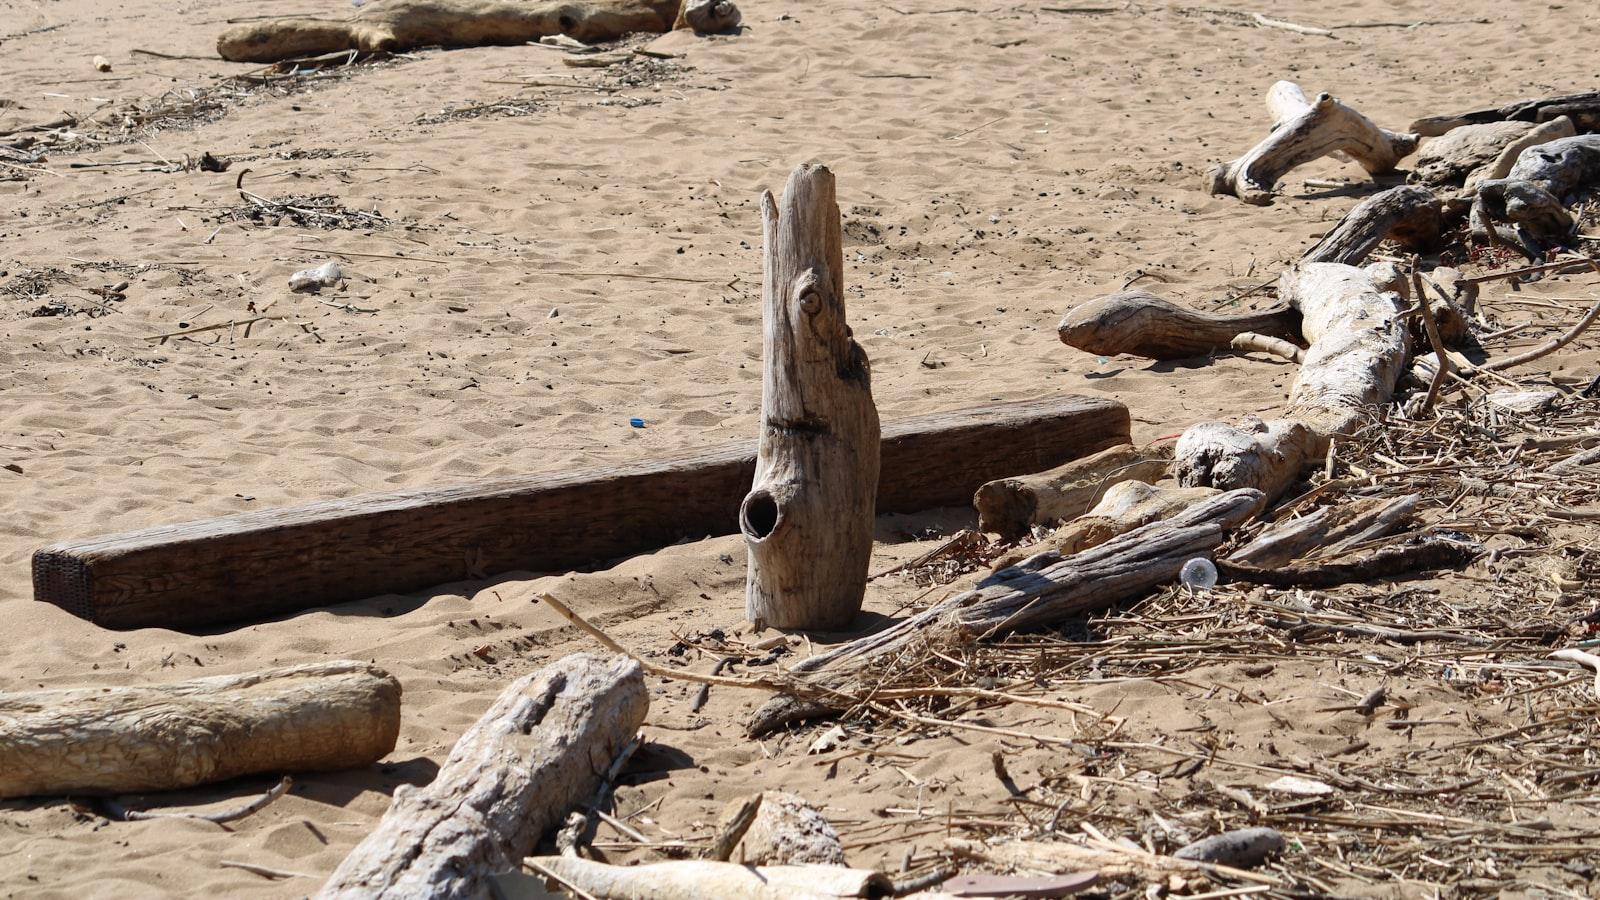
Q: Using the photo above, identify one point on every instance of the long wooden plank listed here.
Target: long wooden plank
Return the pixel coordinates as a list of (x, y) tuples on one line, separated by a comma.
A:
[(270, 562)]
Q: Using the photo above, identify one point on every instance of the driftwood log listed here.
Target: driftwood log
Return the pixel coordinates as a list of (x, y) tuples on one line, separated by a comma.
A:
[(1011, 507), (1124, 507), (1583, 109), (540, 750), (276, 561), (1141, 324), (1553, 130), (1302, 133), (1410, 216), (807, 521), (111, 740), (1532, 196), (1451, 157), (1358, 350), (1044, 590), (705, 879), (397, 25)]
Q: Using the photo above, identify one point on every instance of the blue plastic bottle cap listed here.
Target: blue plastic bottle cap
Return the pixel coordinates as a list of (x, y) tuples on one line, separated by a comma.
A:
[(636, 422)]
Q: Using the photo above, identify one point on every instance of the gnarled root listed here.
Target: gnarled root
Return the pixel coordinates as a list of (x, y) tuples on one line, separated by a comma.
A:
[(1325, 126), (1529, 199)]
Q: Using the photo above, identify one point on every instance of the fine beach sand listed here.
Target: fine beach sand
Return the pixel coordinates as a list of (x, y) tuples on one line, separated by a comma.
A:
[(548, 276)]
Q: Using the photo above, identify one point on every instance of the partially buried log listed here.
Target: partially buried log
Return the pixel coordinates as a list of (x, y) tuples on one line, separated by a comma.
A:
[(1038, 592), (397, 25), (1358, 350), (1011, 507), (110, 740), (537, 752), (807, 521), (702, 879), (789, 831), (276, 561), (1583, 109), (1141, 324), (1322, 127)]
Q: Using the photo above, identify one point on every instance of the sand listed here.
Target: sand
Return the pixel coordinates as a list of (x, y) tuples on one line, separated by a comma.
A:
[(549, 276)]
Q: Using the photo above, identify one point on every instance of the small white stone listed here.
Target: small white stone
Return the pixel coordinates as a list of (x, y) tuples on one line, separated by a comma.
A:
[(325, 275)]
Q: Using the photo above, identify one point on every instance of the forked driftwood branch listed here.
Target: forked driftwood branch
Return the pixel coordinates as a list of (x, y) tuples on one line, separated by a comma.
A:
[(1304, 130)]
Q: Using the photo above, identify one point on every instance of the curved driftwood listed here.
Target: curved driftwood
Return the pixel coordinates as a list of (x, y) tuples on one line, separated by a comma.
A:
[(1531, 196), (1324, 127), (317, 717), (1038, 592), (1553, 130), (807, 521), (1141, 324), (1011, 507), (1410, 216), (1583, 109), (1358, 347), (1451, 157), (537, 752), (702, 879), (1250, 342), (395, 25)]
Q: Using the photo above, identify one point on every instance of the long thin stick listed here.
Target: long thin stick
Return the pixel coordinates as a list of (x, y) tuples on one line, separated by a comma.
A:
[(226, 815), (1432, 327), (1550, 346)]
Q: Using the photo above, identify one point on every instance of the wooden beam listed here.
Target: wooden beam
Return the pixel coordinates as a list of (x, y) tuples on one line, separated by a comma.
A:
[(272, 562)]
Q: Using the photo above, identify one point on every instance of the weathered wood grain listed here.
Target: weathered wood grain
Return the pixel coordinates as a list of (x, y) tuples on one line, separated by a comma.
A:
[(539, 751), (270, 562), (309, 718), (1011, 507), (807, 521)]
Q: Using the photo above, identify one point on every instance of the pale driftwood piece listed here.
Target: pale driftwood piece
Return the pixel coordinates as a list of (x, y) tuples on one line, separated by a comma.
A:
[(708, 16), (1583, 109), (1244, 848), (1326, 126), (1358, 349), (1011, 507), (1410, 216), (807, 521), (397, 25), (537, 752), (788, 831), (1414, 553), (1553, 130), (1126, 505), (1141, 324), (1341, 526), (1531, 198), (1451, 157), (276, 561), (1250, 342), (117, 740), (1280, 24), (736, 820), (1112, 861), (705, 879), (1036, 593)]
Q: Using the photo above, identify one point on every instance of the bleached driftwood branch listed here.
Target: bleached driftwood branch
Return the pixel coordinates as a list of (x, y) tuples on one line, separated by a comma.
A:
[(1410, 216), (1011, 507), (1358, 349), (700, 879), (317, 717), (539, 750), (1324, 126), (1531, 198)]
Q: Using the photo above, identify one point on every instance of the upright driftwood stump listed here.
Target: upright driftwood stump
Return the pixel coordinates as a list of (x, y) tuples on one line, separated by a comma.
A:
[(316, 717), (807, 520), (537, 752)]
